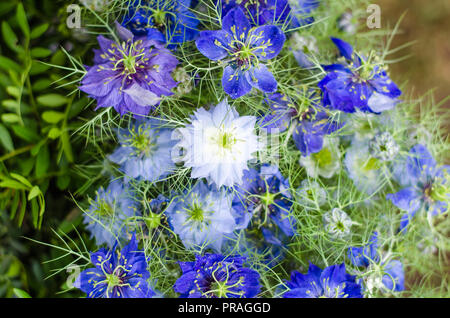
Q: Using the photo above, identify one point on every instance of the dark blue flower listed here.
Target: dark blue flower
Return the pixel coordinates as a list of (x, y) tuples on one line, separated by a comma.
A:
[(358, 84), (332, 282), (425, 185), (166, 21), (262, 204), (145, 151), (387, 274), (246, 47), (217, 276), (310, 126), (107, 214), (130, 76), (117, 274), (285, 13)]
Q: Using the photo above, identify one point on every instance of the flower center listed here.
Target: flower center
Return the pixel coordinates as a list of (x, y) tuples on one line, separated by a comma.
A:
[(323, 158), (112, 280), (159, 17), (197, 213), (153, 220), (104, 208), (371, 164)]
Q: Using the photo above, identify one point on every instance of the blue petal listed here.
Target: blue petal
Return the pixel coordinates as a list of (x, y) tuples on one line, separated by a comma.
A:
[(268, 41), (261, 78), (236, 24), (407, 199), (234, 82), (213, 44), (345, 48)]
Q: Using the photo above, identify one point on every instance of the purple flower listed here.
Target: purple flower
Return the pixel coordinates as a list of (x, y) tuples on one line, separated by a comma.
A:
[(310, 126), (331, 282), (217, 276), (117, 274), (130, 76), (245, 48), (262, 203), (425, 185), (358, 84)]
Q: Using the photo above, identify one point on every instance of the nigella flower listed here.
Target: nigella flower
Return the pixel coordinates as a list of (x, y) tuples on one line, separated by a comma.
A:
[(166, 21), (263, 203), (117, 274), (386, 275), (384, 147), (202, 217), (337, 223), (324, 163), (130, 76), (218, 144), (107, 215), (145, 151), (331, 282), (260, 12), (359, 83), (246, 49), (426, 186), (154, 217), (309, 126), (217, 276), (311, 194), (363, 168)]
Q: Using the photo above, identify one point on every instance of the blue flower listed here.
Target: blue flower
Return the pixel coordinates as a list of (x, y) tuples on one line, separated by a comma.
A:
[(309, 126), (387, 275), (218, 144), (202, 217), (217, 276), (285, 13), (166, 21), (425, 185), (107, 215), (358, 84), (130, 76), (145, 151), (155, 219), (332, 282), (262, 204), (246, 47), (117, 274)]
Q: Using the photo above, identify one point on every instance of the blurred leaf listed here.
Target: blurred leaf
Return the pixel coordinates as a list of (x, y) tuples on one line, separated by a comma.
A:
[(40, 52), (21, 179), (42, 161), (22, 20), (10, 37), (10, 118), (6, 64), (26, 133), (5, 139), (52, 100), (38, 31), (54, 133), (41, 84), (21, 293), (35, 191), (52, 117)]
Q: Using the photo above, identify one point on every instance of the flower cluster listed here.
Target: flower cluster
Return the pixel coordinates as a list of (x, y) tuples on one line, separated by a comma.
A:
[(196, 187)]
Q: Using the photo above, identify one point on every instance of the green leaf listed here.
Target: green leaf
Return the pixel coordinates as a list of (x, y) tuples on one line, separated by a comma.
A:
[(12, 184), (40, 52), (10, 104), (10, 37), (42, 161), (21, 179), (34, 193), (54, 133), (52, 100), (10, 118), (5, 139), (7, 64), (41, 84), (38, 31), (21, 293), (52, 117), (26, 133), (13, 91), (22, 20)]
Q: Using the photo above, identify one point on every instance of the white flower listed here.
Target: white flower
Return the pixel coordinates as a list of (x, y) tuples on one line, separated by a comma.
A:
[(363, 168), (324, 163), (218, 144), (384, 147), (337, 223), (311, 194)]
